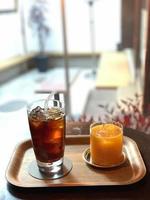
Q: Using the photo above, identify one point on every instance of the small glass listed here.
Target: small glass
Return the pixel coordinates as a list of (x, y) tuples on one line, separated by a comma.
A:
[(47, 127), (106, 143)]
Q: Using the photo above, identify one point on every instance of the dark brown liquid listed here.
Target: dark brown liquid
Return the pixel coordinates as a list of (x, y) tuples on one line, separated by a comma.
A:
[(48, 133)]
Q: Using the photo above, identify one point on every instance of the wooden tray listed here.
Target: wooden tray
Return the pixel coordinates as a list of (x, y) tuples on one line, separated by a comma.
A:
[(82, 174)]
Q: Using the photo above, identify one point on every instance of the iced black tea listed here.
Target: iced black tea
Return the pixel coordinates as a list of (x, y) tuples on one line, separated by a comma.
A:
[(48, 133)]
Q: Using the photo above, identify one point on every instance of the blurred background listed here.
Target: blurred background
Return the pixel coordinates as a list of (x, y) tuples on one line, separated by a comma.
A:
[(91, 51)]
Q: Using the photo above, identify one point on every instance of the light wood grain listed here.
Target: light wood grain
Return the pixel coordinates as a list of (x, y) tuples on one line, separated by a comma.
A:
[(82, 174), (113, 70), (5, 64)]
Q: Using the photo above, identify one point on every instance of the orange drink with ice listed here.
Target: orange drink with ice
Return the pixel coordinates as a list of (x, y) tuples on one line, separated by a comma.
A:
[(106, 143)]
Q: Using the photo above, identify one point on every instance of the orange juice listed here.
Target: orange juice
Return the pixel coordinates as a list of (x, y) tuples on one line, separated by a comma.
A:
[(106, 142)]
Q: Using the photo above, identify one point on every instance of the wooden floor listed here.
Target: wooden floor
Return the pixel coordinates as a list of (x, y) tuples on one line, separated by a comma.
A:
[(113, 70)]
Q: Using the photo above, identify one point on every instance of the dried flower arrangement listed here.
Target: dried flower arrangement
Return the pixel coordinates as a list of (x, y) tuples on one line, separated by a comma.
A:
[(128, 112)]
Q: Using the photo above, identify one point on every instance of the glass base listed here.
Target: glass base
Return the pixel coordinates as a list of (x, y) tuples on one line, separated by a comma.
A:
[(48, 168), (53, 172)]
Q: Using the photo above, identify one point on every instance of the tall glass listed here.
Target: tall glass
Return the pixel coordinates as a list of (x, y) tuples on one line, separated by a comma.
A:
[(47, 127)]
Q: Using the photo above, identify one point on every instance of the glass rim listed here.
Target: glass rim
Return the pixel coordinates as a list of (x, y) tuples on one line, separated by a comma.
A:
[(29, 105), (103, 123), (117, 123)]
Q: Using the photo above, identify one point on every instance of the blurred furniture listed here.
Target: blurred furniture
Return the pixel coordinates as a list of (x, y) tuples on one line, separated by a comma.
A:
[(131, 26), (113, 70), (14, 66), (146, 78), (132, 20), (9, 63)]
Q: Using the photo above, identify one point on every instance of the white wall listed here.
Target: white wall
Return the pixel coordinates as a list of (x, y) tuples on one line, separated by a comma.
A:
[(107, 18), (10, 37), (107, 27), (55, 41), (107, 24), (11, 40)]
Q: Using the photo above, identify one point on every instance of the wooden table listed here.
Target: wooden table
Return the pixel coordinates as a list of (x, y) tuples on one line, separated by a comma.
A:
[(138, 190), (113, 63)]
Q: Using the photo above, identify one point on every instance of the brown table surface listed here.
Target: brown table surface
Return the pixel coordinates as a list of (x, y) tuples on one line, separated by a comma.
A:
[(139, 190)]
